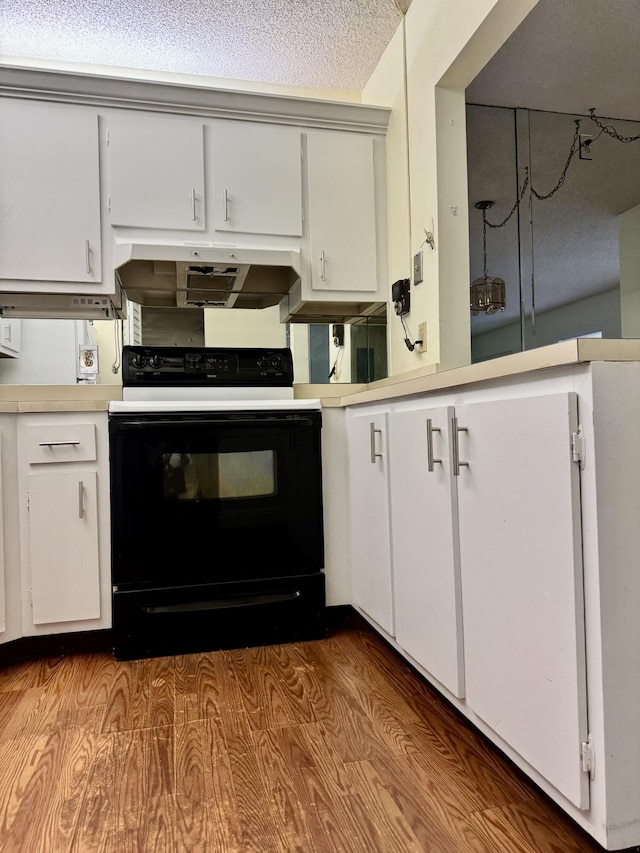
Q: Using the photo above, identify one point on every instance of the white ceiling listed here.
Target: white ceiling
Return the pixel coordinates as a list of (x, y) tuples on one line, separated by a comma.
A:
[(566, 56), (332, 44)]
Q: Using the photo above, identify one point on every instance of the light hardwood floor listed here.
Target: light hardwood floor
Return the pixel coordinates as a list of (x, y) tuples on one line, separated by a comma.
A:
[(323, 746)]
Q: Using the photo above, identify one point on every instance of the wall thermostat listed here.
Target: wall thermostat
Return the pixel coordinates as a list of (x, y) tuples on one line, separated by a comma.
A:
[(400, 296)]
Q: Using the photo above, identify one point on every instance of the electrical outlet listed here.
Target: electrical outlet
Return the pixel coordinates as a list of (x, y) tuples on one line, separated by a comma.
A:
[(422, 336), (585, 146)]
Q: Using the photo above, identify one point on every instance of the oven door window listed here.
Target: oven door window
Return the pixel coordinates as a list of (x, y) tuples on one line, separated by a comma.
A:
[(215, 501), (219, 476)]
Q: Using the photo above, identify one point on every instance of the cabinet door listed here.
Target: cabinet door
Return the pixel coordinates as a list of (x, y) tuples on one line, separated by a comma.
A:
[(3, 600), (156, 166), (258, 178), (370, 540), (342, 205), (63, 546), (522, 582), (10, 336), (425, 545), (49, 192)]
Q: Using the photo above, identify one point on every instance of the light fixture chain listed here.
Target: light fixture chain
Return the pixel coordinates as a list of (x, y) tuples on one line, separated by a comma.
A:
[(575, 145), (523, 190), (610, 130), (484, 240), (572, 152)]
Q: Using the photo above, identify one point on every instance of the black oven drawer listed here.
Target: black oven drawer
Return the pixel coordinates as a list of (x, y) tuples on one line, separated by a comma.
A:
[(184, 619)]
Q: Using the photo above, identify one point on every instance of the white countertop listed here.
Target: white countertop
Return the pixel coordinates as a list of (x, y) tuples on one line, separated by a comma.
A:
[(52, 398), (556, 355)]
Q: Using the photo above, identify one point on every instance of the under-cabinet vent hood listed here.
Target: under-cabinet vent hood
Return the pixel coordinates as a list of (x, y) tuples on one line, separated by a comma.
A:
[(158, 274), (205, 275), (58, 306)]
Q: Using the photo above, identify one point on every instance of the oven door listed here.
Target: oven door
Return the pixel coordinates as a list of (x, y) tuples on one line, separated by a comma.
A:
[(207, 498)]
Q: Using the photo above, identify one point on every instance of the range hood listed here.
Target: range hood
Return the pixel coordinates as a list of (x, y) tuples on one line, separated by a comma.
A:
[(59, 306), (158, 274), (205, 275)]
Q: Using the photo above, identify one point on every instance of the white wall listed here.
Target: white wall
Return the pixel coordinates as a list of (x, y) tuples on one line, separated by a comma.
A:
[(48, 353), (109, 350), (340, 356), (422, 77), (599, 313), (244, 328), (629, 247)]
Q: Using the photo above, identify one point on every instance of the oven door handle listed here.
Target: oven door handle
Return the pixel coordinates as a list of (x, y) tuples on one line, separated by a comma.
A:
[(296, 420)]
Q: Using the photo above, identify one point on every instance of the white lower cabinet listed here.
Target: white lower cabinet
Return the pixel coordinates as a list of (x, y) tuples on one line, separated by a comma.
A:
[(467, 550), (63, 465), (63, 546), (426, 558), (522, 581), (370, 536), (3, 568)]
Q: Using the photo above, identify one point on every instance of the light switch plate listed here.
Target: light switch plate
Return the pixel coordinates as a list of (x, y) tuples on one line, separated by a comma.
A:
[(417, 268)]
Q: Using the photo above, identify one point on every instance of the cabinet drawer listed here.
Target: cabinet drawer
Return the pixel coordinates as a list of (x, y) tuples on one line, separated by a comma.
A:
[(60, 443)]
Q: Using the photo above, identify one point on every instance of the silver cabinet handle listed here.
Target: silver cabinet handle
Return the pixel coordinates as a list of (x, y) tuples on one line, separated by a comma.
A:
[(57, 443), (80, 499), (322, 266), (226, 205), (87, 255), (431, 461), (193, 204), (457, 464), (372, 436)]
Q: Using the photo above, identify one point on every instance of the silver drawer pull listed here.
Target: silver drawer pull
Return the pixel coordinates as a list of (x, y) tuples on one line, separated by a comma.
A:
[(372, 435), (457, 464), (87, 256), (193, 204), (57, 443), (431, 462), (226, 205), (80, 499), (322, 266)]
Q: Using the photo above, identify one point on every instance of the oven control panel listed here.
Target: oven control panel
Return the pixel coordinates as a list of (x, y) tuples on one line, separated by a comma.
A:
[(207, 366)]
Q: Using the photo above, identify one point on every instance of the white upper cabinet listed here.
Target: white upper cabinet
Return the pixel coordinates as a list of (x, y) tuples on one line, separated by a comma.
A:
[(342, 212), (257, 174), (156, 171), (49, 192), (10, 337)]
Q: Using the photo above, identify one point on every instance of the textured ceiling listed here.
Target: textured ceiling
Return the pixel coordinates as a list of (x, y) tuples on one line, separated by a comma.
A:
[(323, 43), (568, 56)]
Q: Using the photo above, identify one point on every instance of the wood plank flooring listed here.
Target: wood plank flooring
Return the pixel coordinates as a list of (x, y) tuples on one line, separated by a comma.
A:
[(320, 747)]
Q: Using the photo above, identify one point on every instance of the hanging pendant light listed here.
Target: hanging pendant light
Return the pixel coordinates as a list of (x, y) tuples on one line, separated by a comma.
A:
[(488, 293)]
